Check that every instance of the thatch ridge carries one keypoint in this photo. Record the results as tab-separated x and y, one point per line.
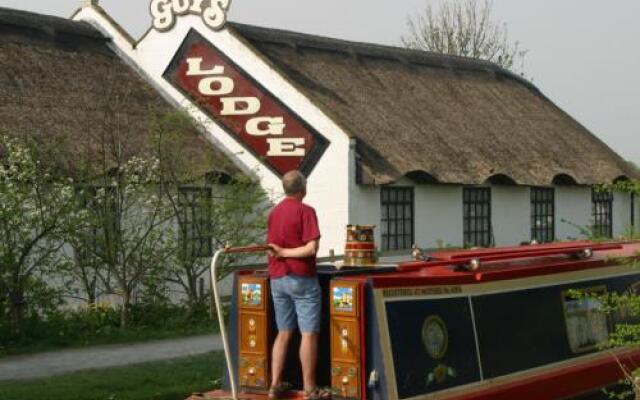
47	23
363	49
438	118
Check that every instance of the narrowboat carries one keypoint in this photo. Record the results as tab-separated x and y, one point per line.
459	325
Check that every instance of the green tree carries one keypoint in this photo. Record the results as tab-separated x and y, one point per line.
210	208
232	214
82	271
132	216
464	28
36	207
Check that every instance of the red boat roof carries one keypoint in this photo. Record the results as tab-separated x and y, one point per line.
450	267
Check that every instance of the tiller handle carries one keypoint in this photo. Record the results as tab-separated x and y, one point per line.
216	295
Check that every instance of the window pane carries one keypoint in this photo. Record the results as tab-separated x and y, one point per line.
602	206
195	204
477	216
542	214
396	217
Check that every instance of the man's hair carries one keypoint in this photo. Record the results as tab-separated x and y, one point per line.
293	182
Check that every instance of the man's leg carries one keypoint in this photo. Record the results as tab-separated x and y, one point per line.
279	355
286	321
308	302
309	359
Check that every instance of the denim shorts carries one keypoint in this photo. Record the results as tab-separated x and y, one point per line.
297	301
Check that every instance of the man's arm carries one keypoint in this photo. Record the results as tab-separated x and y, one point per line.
308	250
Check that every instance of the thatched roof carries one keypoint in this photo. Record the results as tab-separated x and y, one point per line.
437	118
62	84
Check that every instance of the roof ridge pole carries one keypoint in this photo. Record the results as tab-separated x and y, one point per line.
89	3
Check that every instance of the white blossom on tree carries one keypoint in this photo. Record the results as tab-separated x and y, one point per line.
35	210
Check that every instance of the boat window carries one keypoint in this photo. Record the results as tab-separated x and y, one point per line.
397	218
587	325
542	214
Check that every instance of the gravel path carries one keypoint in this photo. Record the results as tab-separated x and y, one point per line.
62	362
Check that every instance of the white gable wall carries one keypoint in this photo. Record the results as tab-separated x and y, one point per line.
328	183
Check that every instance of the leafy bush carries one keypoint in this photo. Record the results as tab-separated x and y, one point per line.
100	324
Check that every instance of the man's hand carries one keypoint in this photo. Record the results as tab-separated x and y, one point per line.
275	250
308	250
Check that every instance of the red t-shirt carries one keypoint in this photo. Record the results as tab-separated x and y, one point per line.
292	224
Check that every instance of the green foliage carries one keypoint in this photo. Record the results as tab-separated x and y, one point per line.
625	186
217	207
100	324
164	380
130	213
36	207
590	233
623	312
118	229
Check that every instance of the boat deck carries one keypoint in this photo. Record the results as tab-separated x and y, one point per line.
221	395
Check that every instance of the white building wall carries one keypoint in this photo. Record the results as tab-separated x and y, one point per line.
621	214
364	202
439	221
511	214
636	212
573	211
437	210
438	216
364	209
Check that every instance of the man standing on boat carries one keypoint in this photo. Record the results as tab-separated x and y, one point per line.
293	235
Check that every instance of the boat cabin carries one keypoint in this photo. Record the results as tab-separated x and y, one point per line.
464	324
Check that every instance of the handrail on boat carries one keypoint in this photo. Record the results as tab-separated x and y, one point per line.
471	260
216	294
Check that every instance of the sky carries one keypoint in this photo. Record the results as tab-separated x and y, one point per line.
583	54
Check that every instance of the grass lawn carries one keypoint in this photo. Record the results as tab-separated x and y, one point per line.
165	380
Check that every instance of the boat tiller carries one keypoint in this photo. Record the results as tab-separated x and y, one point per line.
216	295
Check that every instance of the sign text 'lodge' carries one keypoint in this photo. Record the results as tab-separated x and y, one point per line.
247	111
165	12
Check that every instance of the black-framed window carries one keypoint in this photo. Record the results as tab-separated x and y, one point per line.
195	221
543	214
477	217
397	220
101	238
602	213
